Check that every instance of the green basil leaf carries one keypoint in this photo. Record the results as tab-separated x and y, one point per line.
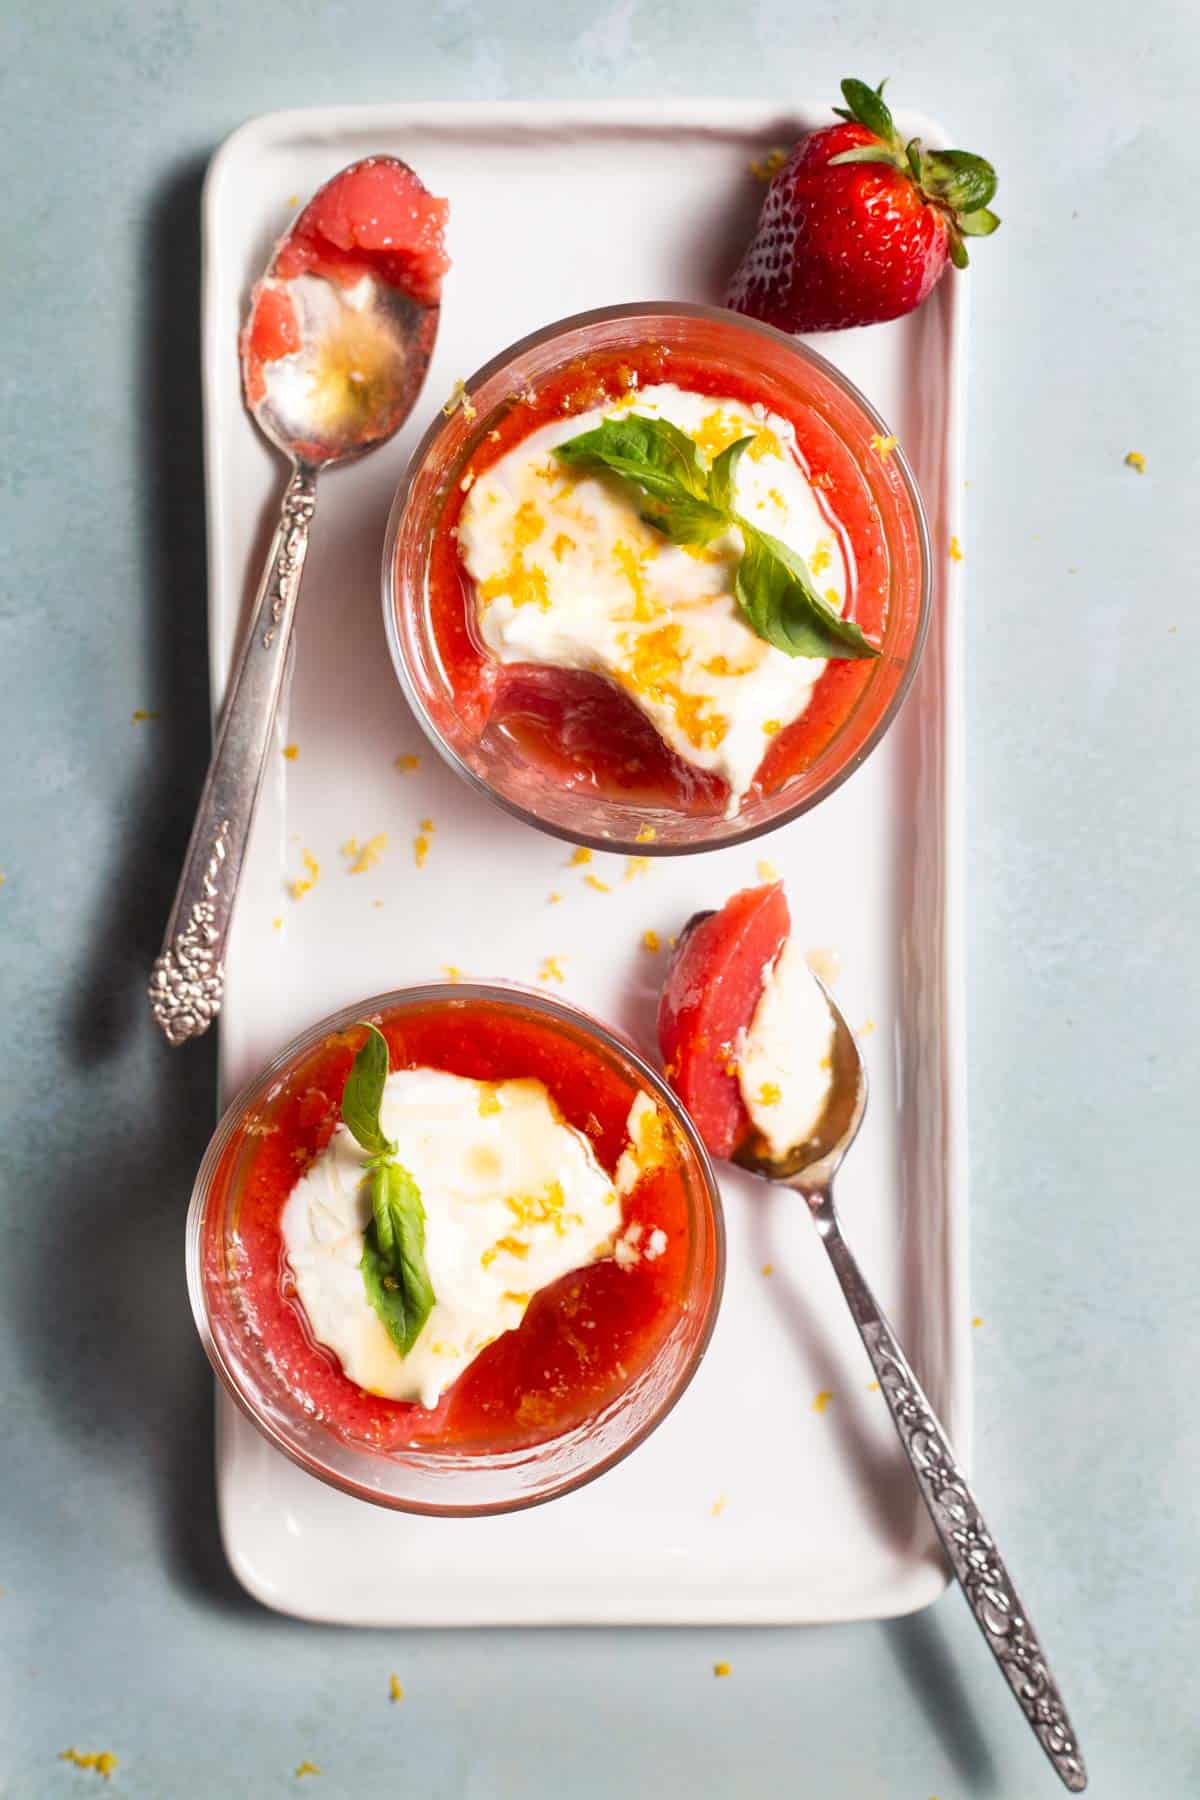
868	106
776	593
395	1274
720	476
651	451
363	1093
663	463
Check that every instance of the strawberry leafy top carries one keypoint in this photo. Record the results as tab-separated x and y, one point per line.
958	183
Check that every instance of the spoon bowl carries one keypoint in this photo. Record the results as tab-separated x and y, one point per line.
810	1166
364	352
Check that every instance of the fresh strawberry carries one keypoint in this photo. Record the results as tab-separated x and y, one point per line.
857	226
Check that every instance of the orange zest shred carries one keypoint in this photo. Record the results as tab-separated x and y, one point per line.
651	941
1133	460
407	763
594	881
505	1246
763	168
883	445
395	1691
305	883
459	398
291	752
551	969
956	554
364	856
101	1762
721	1669
822	1400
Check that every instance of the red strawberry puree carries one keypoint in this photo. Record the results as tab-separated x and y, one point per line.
580	726
582	1340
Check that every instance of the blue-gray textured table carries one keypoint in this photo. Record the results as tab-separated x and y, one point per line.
121	1628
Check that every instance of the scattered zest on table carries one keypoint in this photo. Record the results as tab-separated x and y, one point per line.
101	1762
691	504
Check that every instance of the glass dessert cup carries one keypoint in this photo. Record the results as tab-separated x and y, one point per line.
261	1361
853	703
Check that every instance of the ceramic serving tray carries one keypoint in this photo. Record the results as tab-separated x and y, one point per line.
776	1491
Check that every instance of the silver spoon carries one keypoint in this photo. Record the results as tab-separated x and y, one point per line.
809	1169
370	350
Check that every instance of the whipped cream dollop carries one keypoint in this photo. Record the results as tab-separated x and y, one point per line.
784	1059
514	1198
567	574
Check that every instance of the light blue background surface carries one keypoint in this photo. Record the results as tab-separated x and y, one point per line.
120	1627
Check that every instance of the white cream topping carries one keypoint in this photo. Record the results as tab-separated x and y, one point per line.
514	1198
568	575
785	1060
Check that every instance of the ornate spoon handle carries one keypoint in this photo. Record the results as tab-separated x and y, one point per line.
968	1543
188	979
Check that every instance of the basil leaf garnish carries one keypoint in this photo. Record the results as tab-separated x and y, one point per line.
720	478
691	504
393	1264
394	1271
663	463
776	594
363	1093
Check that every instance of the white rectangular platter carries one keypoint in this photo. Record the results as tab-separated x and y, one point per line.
755	1502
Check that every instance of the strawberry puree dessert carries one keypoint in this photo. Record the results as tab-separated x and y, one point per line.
463	1229
656	584
371	238
746	1036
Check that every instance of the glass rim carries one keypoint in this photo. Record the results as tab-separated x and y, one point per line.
620	844
564	1012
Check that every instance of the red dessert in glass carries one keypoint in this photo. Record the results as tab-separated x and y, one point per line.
599	1355
567	747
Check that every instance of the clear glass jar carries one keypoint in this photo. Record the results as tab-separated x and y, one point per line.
789	379
234	1298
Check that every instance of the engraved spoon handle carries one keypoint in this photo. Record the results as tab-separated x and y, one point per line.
968	1543
188	979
